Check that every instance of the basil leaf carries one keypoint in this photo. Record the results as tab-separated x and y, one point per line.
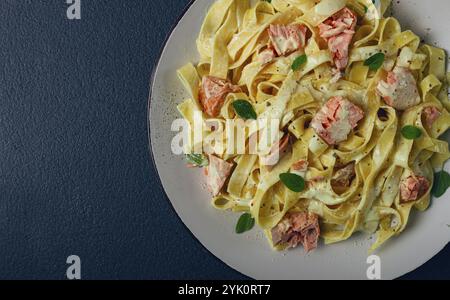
375	61
293	182
270	1
411	132
441	184
244	109
198	160
298	62
245	223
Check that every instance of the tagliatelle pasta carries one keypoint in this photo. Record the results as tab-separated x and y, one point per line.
358	107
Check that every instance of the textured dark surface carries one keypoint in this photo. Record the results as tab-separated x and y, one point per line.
75	172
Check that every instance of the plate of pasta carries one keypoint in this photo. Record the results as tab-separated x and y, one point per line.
305	139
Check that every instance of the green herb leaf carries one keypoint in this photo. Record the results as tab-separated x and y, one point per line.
441	184
245	223
366	9
411	132
198	160
270	1
375	61
293	182
244	109
298	62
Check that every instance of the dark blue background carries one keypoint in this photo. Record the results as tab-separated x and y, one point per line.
75	172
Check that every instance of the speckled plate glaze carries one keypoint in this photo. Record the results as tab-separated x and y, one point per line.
250	254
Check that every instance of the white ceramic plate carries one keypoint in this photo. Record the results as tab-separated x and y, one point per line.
250	254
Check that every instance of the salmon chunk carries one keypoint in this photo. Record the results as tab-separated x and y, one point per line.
400	89
286	39
299	228
338	31
213	92
334	122
430	115
300	166
413	188
344	177
217	174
